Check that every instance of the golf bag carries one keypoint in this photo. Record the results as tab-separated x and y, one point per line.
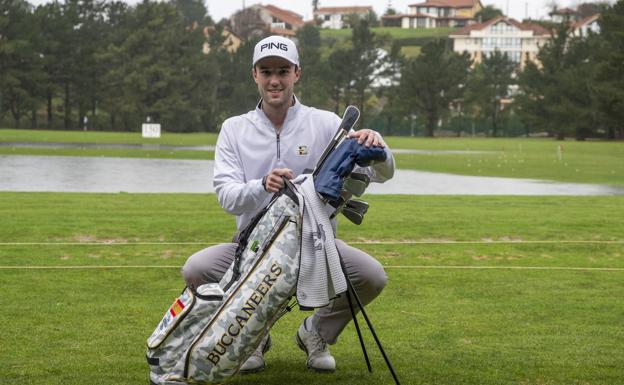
208	333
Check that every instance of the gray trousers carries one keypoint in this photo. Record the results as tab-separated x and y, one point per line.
366	274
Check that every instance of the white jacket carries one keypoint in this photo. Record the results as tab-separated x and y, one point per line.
248	148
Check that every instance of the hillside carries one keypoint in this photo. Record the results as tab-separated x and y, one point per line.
410	39
394	32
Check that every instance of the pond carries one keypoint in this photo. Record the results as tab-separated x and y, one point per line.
112	175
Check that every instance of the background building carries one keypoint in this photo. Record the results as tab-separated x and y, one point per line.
259	20
520	41
338	17
563	15
586	26
436	14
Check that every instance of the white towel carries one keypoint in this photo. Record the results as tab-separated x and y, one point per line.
320	273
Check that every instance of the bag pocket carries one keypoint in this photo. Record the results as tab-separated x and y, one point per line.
182	322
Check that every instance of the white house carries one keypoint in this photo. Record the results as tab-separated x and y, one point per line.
586	26
337	17
436	14
520	41
563	15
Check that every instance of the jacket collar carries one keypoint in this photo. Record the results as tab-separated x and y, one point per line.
290	114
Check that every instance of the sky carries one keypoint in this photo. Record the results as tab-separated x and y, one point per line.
517	9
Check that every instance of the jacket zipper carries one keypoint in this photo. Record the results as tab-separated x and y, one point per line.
278	144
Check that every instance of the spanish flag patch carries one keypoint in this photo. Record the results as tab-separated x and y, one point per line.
176	308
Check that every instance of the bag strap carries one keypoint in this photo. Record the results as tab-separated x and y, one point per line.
243	236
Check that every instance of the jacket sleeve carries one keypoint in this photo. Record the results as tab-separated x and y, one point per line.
235	194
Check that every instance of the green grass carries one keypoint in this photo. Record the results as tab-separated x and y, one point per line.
395	33
568	161
110	152
89	137
410	50
167	138
460	315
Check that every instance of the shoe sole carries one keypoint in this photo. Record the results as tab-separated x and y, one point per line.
302	347
266	348
251	371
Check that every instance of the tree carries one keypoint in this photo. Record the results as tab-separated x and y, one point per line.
339	77
610	72
488	86
88	36
194	12
20	63
539	86
372	18
432	80
390	10
120	24
392	110
50	21
487	13
592	8
364	61
559	96
161	70
235	90
311	89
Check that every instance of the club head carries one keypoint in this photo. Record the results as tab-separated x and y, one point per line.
355	205
360	176
338	204
353	215
355	186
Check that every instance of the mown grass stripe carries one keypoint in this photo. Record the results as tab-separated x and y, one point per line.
96	267
506	268
350	242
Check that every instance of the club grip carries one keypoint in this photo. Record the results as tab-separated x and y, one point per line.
349	118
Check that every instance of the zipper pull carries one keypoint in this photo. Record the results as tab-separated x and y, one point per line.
278	146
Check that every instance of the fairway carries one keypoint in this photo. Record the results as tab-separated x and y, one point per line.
482	290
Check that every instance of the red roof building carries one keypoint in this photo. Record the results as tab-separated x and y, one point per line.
260	20
437	14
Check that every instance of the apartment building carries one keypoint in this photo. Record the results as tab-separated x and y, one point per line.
520	41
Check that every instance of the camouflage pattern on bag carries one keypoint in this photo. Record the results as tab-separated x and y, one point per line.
188	315
210	346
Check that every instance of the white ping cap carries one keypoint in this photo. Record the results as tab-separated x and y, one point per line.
276	46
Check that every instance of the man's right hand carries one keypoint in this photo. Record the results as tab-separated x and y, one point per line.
274	182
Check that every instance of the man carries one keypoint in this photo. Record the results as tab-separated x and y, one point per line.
282	138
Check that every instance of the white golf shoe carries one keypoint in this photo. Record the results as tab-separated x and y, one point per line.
255	362
319	357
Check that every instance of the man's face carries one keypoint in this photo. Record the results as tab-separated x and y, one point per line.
276	78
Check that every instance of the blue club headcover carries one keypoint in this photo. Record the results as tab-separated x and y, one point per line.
341	162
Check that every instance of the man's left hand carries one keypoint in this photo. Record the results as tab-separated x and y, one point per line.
368	138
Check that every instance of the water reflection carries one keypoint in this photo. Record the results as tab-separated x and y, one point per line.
110	175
